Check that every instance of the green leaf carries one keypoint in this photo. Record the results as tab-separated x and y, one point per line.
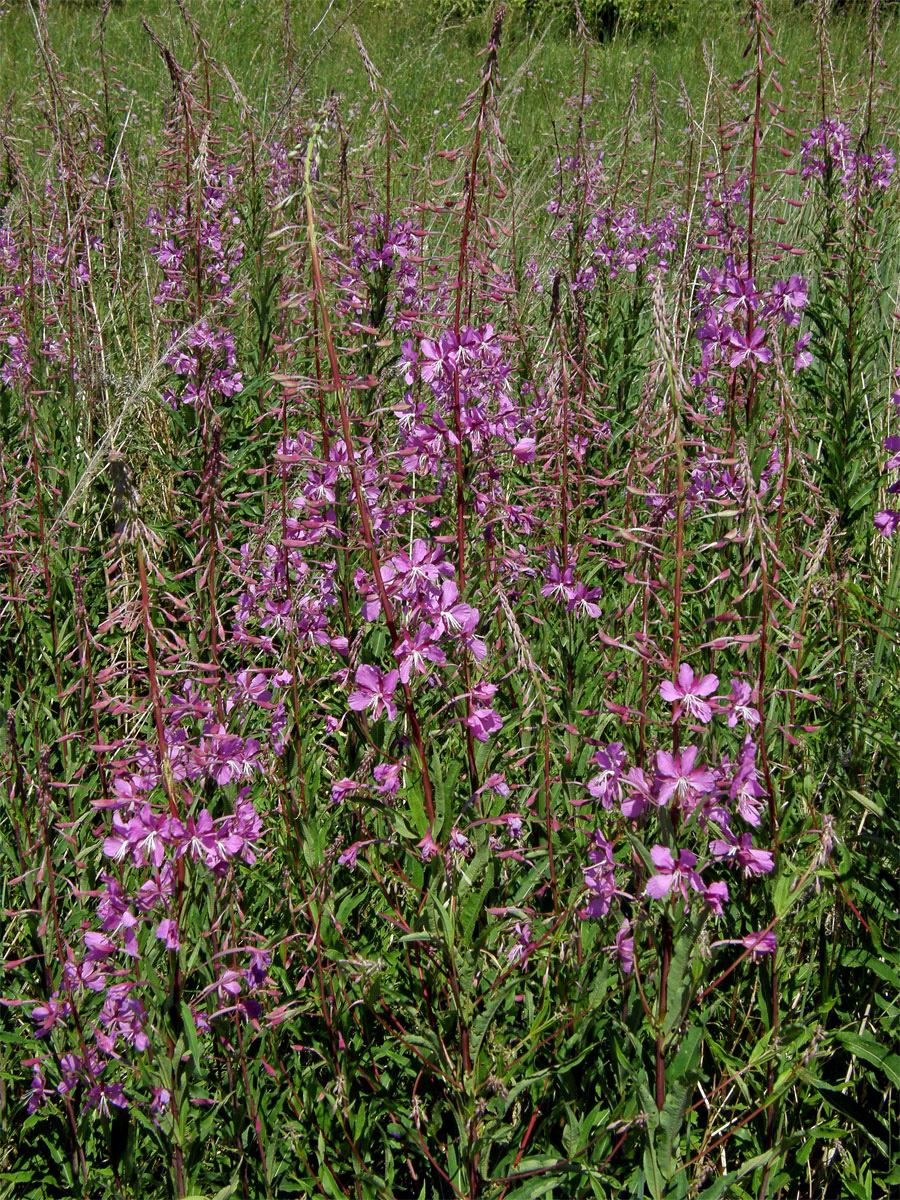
482	1022
724	1185
190	1033
415	798
680	985
685	1074
865	1046
539	1185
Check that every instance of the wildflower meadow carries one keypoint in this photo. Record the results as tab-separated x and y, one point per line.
449	601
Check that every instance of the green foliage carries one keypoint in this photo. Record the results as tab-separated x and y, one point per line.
602	17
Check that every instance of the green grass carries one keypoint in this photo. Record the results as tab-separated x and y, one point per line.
427	65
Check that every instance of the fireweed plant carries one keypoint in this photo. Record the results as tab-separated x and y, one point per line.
449	641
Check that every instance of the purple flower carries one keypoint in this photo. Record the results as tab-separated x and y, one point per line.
760	943
437	359
600	877
795	293
802	356
422	566
746	791
249	686
458	841
238	833
387	778
102	1095
87	973
225	757
688	694
348	857
452	616
739	709
117	845
483	722
146	834
673	873
749	349
415	654
497	783
160	1098
125	922
742	852
229	984
38	1093
157	890
582	601
375	691
71	1069
625	947
887	522
123	1018
523	945
639	793
189	704
560	585
195	837
605	786
429	847
716	895
740	292
167	932
99	947
47	1015
679	780
514	825
342	788
474	645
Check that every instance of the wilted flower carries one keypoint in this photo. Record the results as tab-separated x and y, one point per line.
429	847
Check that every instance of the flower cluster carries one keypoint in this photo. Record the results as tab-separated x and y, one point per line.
702	800
831	153
199	255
